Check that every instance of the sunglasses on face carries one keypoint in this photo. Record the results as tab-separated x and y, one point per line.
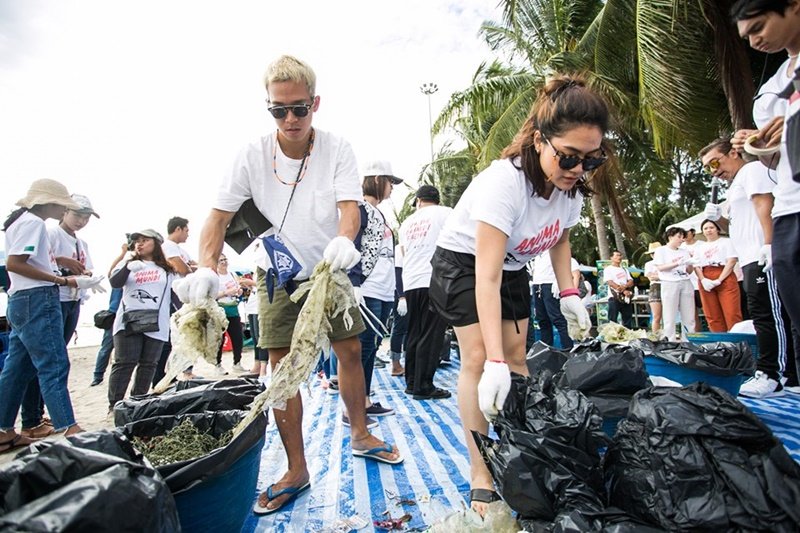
712	165
567	162
298	110
222	261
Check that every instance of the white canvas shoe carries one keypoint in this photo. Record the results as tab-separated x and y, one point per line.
761	386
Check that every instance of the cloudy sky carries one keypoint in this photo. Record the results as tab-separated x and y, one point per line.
143	105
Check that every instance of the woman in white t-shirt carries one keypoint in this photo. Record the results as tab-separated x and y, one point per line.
521	206
146	279
228	295
37	354
677	292
719	290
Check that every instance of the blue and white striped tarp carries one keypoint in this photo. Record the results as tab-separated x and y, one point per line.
435	473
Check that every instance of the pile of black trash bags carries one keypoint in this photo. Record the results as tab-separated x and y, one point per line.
97	481
688	458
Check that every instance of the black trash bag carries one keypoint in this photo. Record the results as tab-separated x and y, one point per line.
88	482
617	369
694	458
224	395
546	459
611	406
718	358
184	474
611	520
542	356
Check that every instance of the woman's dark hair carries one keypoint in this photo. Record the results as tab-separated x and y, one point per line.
159	258
374	186
563	103
747	9
13	217
674	231
707	221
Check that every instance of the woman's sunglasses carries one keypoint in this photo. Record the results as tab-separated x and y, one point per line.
298	110
567	162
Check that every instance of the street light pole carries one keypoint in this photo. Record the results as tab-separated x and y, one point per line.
428	89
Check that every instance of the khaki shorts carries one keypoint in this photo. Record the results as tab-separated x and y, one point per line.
276	320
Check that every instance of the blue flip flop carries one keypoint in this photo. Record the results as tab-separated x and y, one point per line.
373	454
293	493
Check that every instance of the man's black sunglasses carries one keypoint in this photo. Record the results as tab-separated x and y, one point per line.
298	110
567	162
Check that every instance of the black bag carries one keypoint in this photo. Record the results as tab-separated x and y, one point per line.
247	224
140	321
104	319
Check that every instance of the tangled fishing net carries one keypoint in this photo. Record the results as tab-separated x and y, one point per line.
329	295
195	332
617	334
181	443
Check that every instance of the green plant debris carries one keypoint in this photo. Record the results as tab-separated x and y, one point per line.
181	443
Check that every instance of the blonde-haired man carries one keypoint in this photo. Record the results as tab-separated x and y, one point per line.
306	183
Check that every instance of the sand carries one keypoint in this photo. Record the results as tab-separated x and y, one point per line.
91	403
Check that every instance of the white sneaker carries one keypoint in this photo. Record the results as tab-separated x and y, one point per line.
220	370
383	357
238	368
761	386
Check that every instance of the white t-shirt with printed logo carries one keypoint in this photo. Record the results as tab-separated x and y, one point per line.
665	255
618	275
226	282
312	220
543	270
714	253
418	236
28	236
380	283
147	289
746	232
65	245
502	197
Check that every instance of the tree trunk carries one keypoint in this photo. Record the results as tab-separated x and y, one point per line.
619	238
600	227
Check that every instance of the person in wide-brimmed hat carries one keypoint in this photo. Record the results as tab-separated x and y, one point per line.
37	355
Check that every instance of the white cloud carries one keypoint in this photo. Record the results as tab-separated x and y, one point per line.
142	105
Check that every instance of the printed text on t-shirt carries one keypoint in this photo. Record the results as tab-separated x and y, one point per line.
544	240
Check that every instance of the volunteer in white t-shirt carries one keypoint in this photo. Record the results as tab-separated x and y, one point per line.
714	260
426	327
228	298
750	203
72	256
146	279
654	292
519	207
775	28
37	354
305	182
677	293
546	306
620	293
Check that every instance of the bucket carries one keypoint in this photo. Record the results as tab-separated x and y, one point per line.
659	367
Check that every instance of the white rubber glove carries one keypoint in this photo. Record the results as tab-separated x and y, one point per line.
578	322
402	307
493	388
713	212
765	257
90	282
555	291
197	287
359	296
136	266
341	253
708	284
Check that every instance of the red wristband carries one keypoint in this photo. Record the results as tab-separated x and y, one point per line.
496	361
569	292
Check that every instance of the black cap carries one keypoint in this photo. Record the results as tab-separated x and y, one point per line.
428	193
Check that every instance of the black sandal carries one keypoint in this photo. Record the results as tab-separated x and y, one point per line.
14	443
483	496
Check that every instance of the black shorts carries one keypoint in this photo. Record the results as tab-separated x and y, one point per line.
452	289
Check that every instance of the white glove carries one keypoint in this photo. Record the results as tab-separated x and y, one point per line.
402	307
708	284
765	257
90	282
128	256
359	296
341	253
578	322
712	212
493	388
136	266
555	291
197	287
